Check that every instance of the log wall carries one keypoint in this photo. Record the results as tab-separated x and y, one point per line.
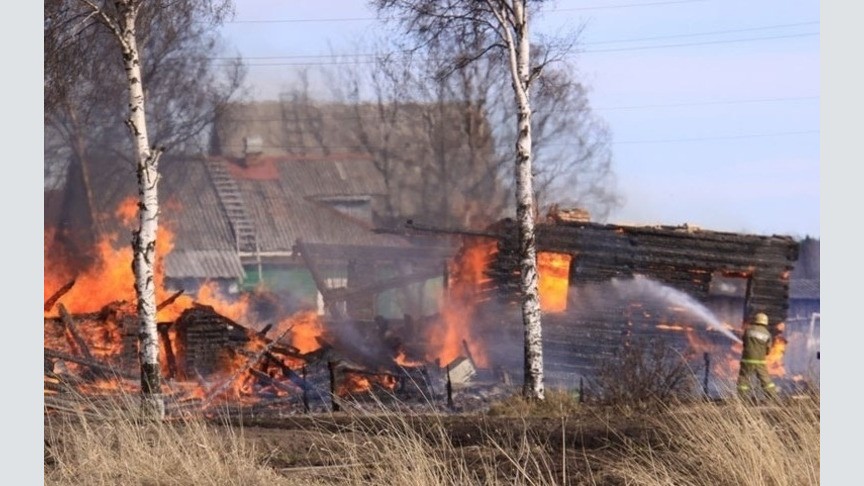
680	257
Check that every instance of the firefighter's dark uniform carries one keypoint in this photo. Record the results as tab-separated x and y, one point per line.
757	343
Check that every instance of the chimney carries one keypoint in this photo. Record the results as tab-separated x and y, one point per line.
253	147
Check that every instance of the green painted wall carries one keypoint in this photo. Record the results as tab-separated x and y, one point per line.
297	282
417	299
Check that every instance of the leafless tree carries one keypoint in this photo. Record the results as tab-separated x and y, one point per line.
506	25
429	137
441	137
123	30
186	87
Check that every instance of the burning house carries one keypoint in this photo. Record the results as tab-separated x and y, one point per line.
276	287
603	286
271	259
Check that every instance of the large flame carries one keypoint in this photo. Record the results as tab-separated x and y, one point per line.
467	274
554	282
110	277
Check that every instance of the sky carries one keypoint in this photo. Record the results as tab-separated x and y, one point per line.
721	132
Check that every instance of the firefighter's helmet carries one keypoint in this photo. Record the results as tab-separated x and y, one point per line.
760	319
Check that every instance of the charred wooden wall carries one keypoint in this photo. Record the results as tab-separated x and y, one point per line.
111	335
680	257
203	340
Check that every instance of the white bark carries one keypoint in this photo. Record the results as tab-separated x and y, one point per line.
144	238
514	30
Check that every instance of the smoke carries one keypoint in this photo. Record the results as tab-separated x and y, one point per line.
641	288
494	330
369	346
498	328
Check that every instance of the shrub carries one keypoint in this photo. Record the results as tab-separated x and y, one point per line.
644	372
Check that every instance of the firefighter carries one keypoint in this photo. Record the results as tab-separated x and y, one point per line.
757	343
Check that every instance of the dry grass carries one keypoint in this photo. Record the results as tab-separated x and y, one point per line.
406	448
558	403
695	444
110	445
735	443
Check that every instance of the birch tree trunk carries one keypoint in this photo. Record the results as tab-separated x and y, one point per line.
144	238
520	71
475	28
119	17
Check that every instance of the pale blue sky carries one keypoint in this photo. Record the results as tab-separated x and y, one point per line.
722	133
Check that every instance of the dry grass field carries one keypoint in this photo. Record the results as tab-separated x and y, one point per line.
561	442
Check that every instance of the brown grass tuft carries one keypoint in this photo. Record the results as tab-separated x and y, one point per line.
734	443
558	403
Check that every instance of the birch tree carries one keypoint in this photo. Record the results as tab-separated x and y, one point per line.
187	86
507	23
121	20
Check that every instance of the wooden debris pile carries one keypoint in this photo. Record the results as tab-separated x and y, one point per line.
209	360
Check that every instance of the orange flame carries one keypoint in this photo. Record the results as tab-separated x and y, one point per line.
402	360
106	386
467	274
209	294
305	326
127	211
554	282
774	360
355	383
673	327
724	367
110	278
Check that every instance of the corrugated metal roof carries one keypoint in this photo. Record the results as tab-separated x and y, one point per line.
282	208
283	211
189	206
203	264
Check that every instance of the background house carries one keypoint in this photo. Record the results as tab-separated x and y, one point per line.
238	221
436	160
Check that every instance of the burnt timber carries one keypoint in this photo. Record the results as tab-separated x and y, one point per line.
682	257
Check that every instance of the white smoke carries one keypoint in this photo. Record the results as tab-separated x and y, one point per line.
642	288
